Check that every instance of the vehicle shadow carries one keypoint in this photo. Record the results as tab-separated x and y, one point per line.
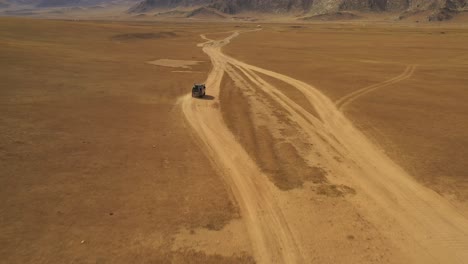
206	97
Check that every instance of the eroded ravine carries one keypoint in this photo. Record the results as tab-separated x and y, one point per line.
423	216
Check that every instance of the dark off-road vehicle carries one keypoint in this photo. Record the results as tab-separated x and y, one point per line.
198	90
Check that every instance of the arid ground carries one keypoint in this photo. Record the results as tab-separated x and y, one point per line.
316	143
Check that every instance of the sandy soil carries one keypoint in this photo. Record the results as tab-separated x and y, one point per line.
417	214
109	159
186	64
408	86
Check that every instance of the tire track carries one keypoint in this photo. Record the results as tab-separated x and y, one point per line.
270	235
343	102
424	216
429	223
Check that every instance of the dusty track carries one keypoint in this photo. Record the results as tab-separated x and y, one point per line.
347	99
392	199
271	238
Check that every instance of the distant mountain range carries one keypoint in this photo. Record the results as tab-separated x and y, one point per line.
58	3
307	9
441	9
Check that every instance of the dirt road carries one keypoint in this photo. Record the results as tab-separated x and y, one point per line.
346	100
433	230
271	239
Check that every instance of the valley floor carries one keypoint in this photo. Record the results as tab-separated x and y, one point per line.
318	143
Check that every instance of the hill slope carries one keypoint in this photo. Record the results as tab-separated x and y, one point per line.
312	7
53	3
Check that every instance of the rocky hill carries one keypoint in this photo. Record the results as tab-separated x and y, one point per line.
148	5
51	3
4	3
58	3
432	10
440	9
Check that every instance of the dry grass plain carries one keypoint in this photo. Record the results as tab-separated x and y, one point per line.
99	165
92	148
